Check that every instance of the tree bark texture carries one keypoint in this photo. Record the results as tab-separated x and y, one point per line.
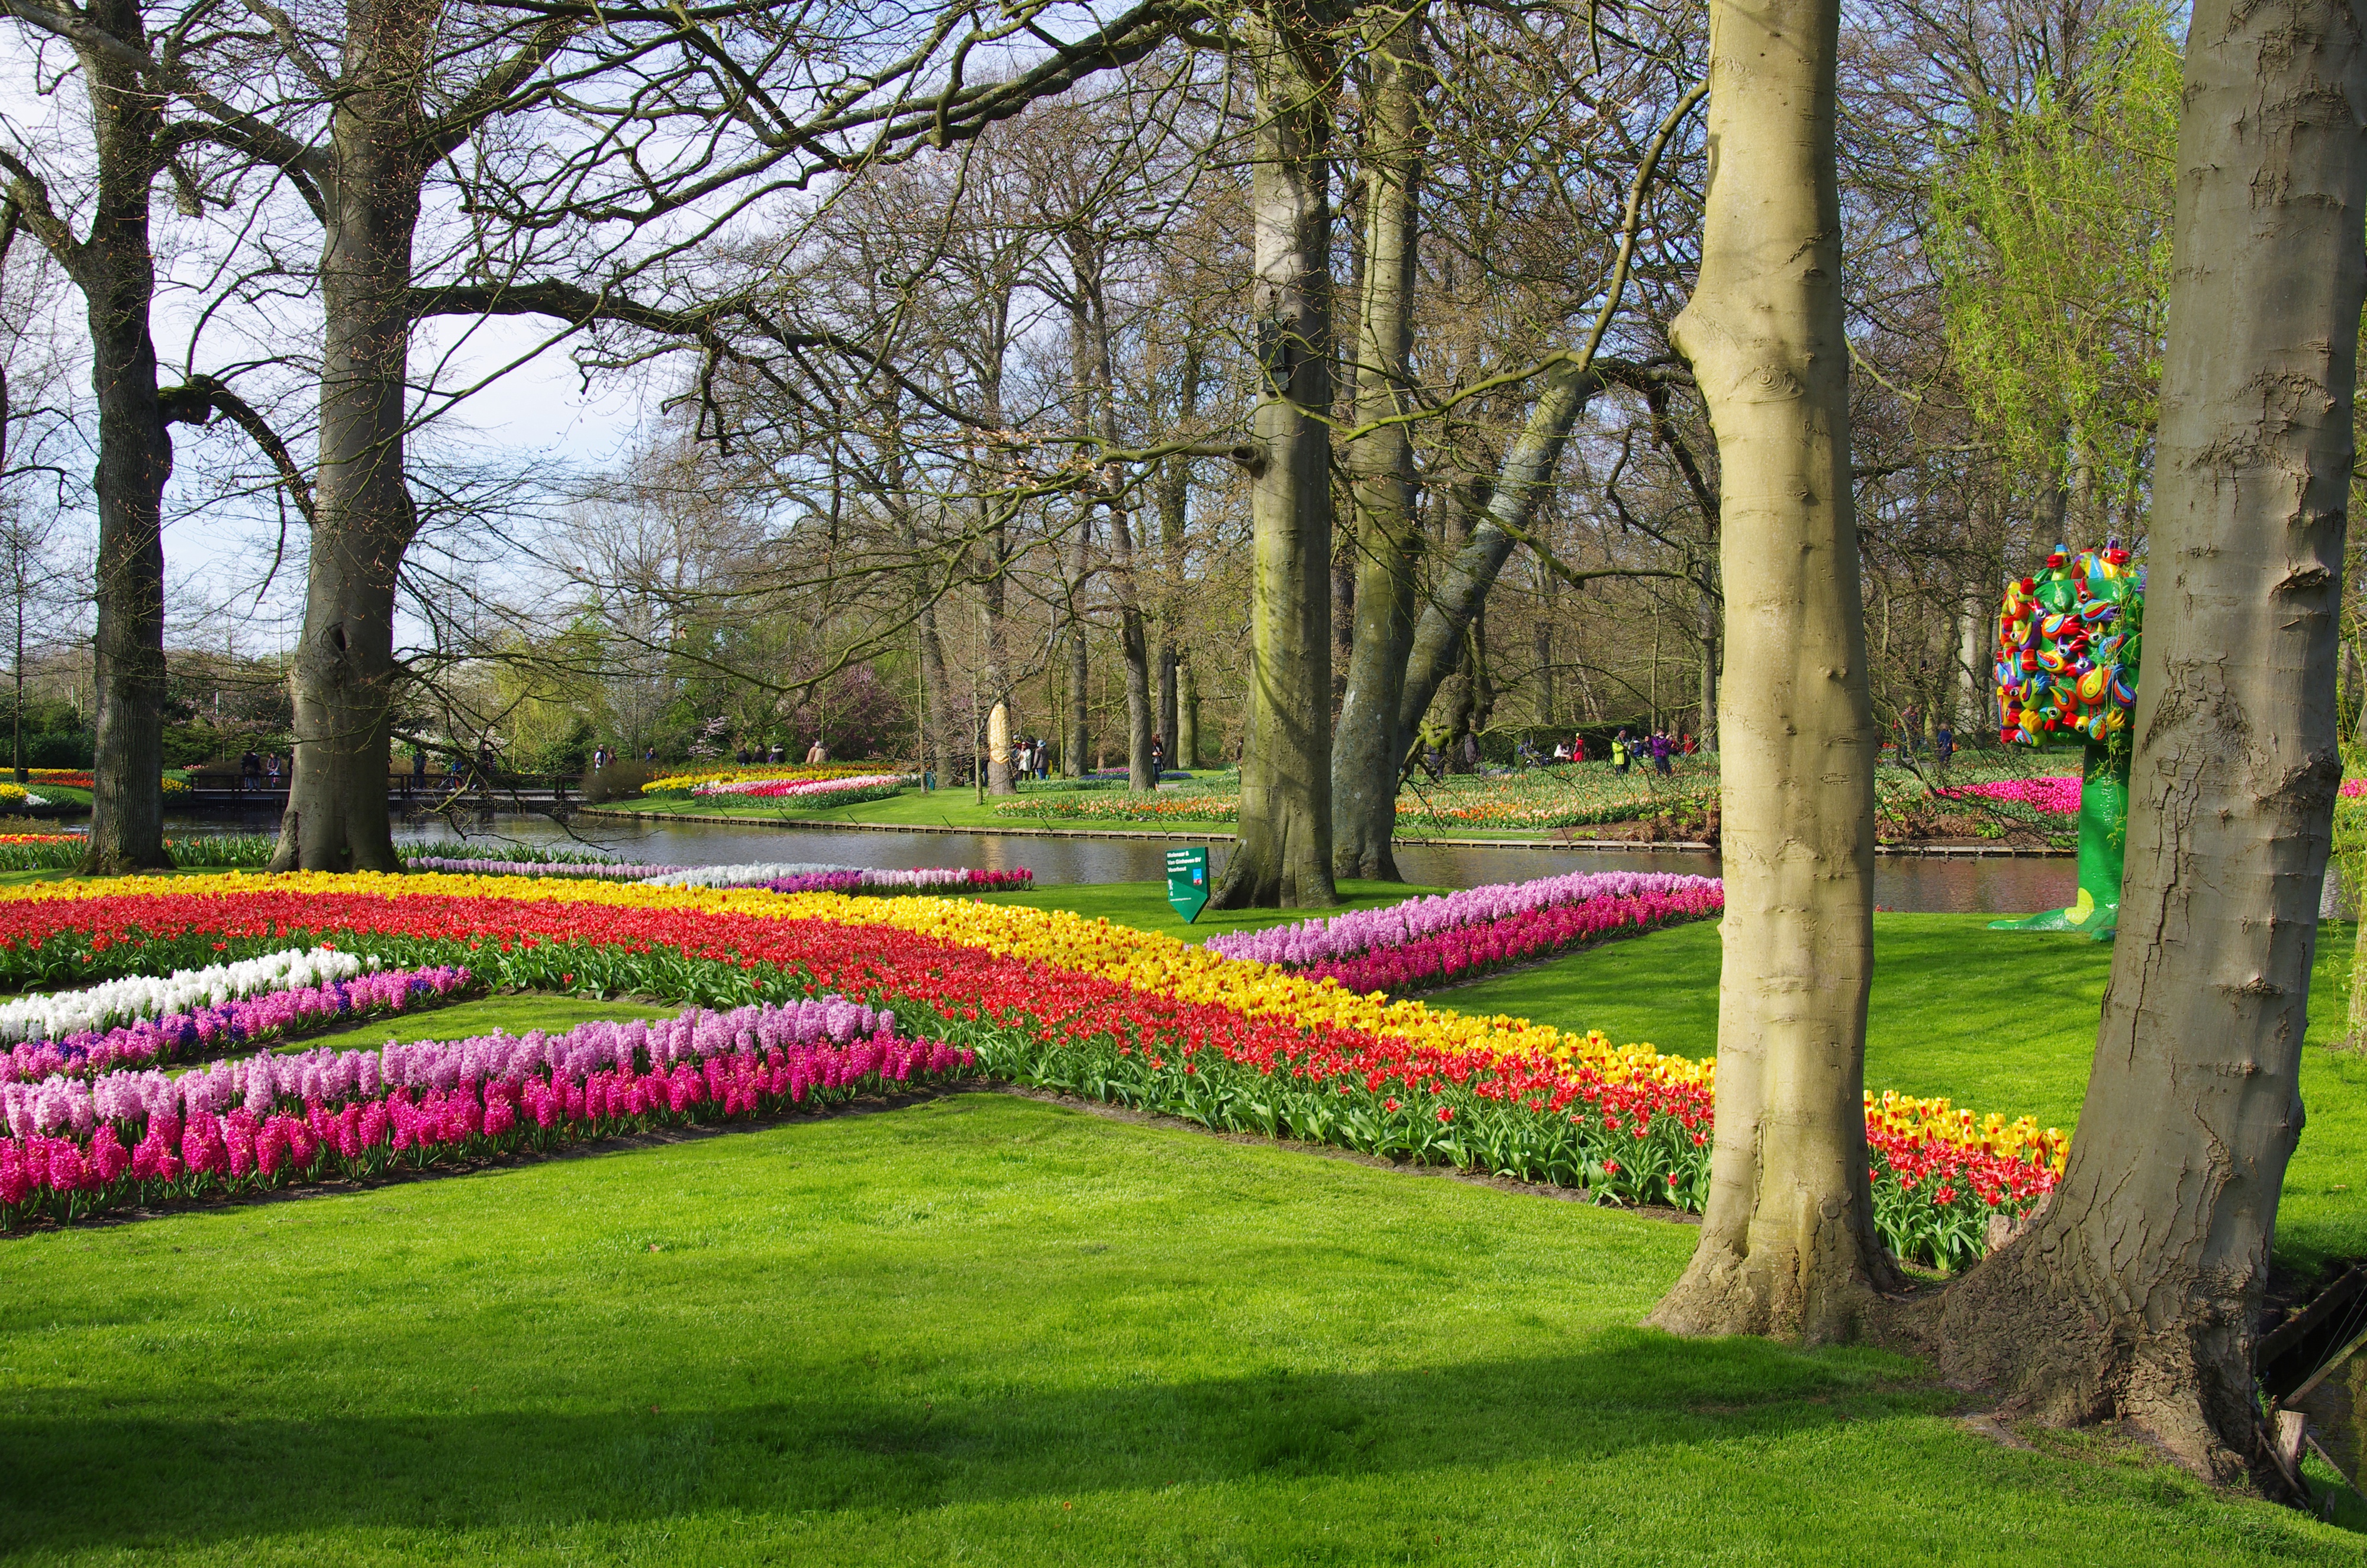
114	267
1283	852
1367	747
1174	508
2134	1297
344	676
1787	1245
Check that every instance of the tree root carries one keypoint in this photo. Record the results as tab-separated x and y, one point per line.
2014	1328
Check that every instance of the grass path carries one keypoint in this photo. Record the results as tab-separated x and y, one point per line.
985	1329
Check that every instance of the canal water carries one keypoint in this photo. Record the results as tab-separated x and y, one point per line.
1992	884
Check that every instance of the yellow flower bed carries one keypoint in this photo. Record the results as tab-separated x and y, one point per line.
725	774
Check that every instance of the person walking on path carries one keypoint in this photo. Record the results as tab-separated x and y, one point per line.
816	753
419	765
1660	749
250	772
1620	748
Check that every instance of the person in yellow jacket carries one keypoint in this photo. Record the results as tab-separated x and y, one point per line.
1620	748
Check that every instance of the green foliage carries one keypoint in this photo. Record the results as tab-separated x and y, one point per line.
2050	228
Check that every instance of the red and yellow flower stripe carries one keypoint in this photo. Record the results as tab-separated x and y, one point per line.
1116	1011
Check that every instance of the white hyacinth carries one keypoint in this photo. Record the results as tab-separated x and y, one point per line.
114	1002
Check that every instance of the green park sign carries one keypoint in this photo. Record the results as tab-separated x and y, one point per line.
1187	881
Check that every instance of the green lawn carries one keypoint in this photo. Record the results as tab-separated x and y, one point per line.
1995	1021
962	809
986	1330
516	1014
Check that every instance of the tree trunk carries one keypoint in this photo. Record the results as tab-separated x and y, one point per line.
344	676
1787	1246
1175	505
1712	650
1081	709
1367	743
2134	1297
114	269
1187	720
1134	646
1283	854
1522	482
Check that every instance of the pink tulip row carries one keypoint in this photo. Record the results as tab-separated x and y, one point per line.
1465	952
773	789
240	1020
927	881
1397	925
351	1113
2059	796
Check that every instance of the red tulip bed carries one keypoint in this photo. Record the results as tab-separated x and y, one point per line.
1621	1133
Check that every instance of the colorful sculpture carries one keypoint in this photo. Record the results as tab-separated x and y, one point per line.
2066	674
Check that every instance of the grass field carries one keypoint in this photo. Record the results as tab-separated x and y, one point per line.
962	809
987	1330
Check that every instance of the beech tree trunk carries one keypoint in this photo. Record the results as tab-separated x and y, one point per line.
343	677
1707	623
1187	720
2134	1297
1174	506
118	279
1368	744
1787	1246
1282	852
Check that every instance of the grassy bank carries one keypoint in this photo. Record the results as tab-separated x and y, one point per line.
985	1329
962	809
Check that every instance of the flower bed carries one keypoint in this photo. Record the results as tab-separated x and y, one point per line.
688	779
806	876
2055	796
1433	941
248	1020
130	1138
814	791
935	879
1085	1007
113	1002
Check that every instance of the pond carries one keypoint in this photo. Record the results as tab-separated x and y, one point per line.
1999	886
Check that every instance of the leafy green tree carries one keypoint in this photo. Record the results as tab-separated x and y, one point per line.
2050	232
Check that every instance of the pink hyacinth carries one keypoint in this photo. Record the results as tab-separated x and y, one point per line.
233	1124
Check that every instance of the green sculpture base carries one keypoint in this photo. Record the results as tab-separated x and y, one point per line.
2104	844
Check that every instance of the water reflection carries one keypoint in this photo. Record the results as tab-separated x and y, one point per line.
1911	883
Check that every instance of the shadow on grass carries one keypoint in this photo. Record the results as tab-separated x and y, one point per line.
78	1478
